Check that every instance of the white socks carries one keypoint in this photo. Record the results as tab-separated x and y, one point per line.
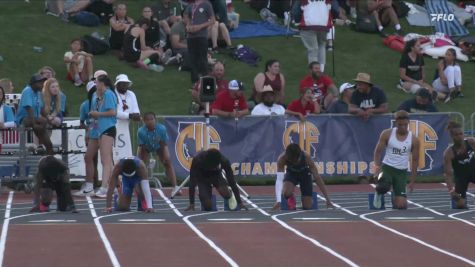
279	184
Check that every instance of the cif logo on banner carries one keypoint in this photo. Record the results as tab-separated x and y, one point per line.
191	139
428	142
305	134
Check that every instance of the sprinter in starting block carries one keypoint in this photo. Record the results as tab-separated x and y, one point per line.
210	168
134	177
300	170
53	174
459	160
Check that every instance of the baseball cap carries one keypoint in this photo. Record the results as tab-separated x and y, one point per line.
90	85
235	85
99	73
345	86
37	78
122	78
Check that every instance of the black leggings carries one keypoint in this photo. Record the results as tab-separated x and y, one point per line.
198	53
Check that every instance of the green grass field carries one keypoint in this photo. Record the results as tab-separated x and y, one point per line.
25	25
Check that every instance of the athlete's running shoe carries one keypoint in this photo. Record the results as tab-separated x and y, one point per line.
232	201
377	200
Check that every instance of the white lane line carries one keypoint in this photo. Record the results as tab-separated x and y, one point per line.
141	220
460	219
209	241
53	221
363	216
177	212
230	219
298	233
198	232
6	222
409	218
317	219
313	241
102	234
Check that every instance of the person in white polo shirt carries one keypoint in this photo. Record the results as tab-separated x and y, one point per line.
267	106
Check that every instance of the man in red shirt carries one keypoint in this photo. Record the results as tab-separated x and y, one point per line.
304	105
221	85
324	90
231	103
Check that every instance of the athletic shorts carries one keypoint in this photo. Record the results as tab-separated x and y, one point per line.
304	179
128	185
112	132
131	55
461	184
396	178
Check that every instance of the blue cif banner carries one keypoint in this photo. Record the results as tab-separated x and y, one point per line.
339	145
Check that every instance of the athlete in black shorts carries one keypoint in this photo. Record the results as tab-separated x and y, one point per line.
53	174
210	168
459	158
300	169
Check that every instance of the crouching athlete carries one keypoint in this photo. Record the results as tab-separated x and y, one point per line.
134	177
53	174
210	168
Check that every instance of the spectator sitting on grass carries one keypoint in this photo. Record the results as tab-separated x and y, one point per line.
47	72
54	102
179	44
368	99
118	24
7	117
273	77
166	15
78	64
69	8
411	68
384	14
420	104
323	88
304	105
151	27
267	106
448	82
231	103
341	105
7	85
217	71
218	33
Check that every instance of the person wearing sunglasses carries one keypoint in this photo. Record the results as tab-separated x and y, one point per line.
127	105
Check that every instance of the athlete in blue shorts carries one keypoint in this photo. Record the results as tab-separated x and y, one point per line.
134	177
153	138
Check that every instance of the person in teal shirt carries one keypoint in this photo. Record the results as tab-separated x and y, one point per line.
7	120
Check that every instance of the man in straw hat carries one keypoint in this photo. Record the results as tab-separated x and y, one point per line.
268	106
368	99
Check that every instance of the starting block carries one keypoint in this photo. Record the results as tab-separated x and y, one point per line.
370	201
285	206
453	204
213	204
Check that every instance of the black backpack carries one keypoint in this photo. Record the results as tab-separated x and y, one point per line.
95	45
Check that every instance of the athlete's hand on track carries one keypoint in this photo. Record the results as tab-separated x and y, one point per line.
411	187
149	210
330	205
243	207
108	210
35	208
190	208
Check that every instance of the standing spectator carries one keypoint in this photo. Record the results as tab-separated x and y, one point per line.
448	82
384	14
267	106
273	77
314	25
118	25
368	99
102	134
78	63
166	15
324	90
7	85
217	72
7	118
199	16
54	102
231	103
29	111
411	68
47	72
341	105
127	106
304	105
135	50
420	104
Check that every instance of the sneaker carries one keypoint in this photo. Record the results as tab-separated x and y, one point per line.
78	83
353	12
232	203
64	16
448	98
101	192
166	55
86	190
329	47
377	200
459	94
292	203
173	60
400	32
155	67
